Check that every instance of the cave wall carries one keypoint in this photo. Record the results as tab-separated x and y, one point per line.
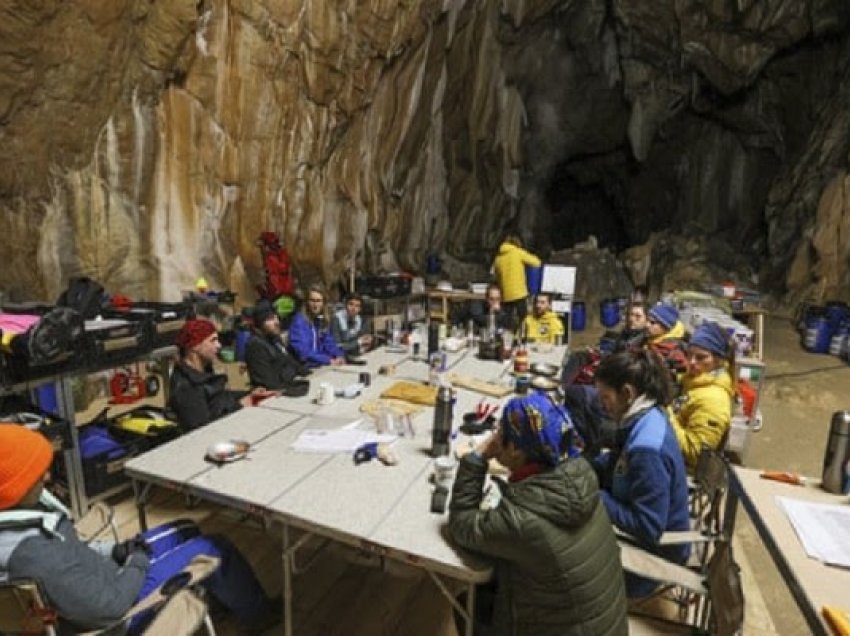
147	143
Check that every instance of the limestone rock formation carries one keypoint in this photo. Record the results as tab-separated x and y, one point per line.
145	143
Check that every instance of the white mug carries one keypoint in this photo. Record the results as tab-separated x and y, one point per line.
326	393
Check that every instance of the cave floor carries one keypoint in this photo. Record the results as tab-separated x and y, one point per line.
349	593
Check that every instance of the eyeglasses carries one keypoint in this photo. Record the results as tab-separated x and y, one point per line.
652	321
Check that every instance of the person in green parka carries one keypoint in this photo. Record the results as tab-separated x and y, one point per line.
557	562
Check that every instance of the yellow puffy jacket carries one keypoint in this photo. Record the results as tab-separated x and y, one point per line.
509	268
703	413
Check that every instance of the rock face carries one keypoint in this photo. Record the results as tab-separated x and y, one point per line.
145	143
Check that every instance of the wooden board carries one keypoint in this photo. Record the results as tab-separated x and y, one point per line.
479	386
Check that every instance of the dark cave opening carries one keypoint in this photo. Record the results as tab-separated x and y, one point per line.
579	210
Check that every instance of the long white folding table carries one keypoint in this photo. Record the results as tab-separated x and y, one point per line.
812	583
384	510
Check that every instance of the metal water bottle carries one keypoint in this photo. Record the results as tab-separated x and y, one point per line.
442	422
837	455
433	338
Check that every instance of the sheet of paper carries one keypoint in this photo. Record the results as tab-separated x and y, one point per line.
823	529
345	439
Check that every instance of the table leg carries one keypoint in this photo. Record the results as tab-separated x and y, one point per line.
470	609
287	583
141	492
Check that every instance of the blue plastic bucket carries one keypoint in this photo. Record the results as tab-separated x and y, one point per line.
836	313
533	278
579	316
609	312
47	399
818	335
242	338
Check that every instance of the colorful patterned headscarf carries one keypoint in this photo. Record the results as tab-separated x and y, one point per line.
540	428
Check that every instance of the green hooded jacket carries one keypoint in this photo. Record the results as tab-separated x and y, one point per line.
557	561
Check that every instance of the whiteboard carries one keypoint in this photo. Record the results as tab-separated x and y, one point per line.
559	279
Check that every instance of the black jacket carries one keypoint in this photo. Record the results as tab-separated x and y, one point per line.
270	365
199	398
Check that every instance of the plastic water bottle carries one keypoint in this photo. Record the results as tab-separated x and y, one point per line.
442	422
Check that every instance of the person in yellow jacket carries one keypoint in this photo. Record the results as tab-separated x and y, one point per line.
543	325
509	268
701	416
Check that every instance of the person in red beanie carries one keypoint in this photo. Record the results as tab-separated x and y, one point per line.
198	394
92	586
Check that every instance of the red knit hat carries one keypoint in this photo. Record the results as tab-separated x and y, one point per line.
24	458
193	333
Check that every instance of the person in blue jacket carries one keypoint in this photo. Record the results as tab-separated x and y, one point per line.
643	479
310	335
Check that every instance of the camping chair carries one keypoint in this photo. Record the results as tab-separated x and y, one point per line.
707	497
180	608
720	610
179	602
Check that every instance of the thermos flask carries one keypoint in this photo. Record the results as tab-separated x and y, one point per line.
835	460
433	338
442	422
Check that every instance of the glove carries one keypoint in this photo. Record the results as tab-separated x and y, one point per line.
122	551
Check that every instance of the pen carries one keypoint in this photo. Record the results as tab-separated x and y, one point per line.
785	477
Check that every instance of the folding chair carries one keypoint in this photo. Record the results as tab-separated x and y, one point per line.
720	610
25	610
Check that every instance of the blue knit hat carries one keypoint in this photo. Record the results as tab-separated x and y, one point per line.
712	337
538	427
665	313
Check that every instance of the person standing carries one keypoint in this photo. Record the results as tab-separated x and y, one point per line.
310	336
350	329
509	269
268	362
199	395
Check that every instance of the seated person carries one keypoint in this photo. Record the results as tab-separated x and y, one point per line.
199	395
93	586
351	331
702	414
269	364
666	336
480	313
558	565
543	324
310	336
645	488
634	333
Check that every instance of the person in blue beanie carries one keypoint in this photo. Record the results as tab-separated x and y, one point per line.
666	336
557	563
702	414
643	479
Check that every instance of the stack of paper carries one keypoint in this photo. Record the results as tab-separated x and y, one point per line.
338	440
824	529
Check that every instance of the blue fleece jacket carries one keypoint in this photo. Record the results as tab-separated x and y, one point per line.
645	485
313	343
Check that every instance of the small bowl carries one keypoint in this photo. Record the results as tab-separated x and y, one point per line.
228	451
545	369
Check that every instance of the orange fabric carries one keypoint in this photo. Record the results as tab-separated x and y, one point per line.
24	458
